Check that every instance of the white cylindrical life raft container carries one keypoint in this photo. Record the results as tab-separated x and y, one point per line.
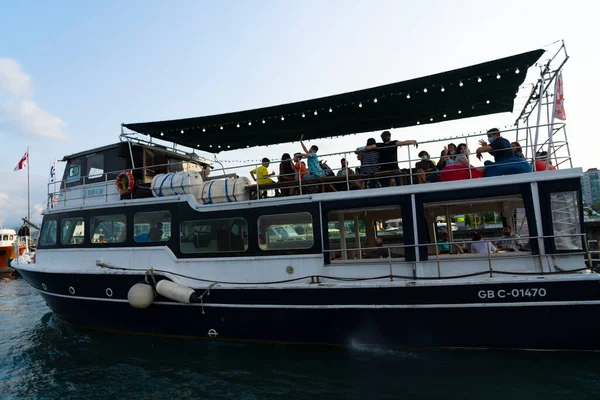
222	191
176	183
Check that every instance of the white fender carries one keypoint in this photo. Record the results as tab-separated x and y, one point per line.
140	295
176	292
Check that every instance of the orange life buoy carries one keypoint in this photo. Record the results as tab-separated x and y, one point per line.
125	182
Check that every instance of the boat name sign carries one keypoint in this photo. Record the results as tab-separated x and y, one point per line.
93	192
514	293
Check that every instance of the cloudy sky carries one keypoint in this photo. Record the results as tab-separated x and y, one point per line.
71	72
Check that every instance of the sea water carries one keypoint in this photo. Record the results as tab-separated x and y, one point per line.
44	358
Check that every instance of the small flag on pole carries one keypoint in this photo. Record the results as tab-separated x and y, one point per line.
559	109
53	171
23	163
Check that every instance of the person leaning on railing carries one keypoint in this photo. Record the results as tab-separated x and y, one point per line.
388	155
368	162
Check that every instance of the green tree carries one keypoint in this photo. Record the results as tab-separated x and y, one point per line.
596	206
469	220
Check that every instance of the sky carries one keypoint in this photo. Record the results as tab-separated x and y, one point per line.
71	72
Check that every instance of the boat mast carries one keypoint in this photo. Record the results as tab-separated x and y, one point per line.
28	191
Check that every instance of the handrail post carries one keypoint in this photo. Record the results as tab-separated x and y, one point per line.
409	166
437	250
467	144
487	243
257	187
347	172
587	251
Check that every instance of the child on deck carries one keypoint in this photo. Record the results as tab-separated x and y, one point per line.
262	173
314	168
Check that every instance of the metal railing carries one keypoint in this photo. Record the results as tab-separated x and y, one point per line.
407	173
491	257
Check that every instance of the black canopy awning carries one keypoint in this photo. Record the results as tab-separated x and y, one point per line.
481	89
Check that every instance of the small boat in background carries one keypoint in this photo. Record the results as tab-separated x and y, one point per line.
24	245
7	240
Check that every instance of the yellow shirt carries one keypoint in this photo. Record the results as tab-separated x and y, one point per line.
262	175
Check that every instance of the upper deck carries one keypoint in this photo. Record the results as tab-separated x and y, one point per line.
481	89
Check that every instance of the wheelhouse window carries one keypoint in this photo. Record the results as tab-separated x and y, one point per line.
214	236
285	231
48	234
94	166
108	229
72	231
566	224
152	226
4	237
73	172
500	221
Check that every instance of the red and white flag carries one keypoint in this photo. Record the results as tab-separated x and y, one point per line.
23	163
559	107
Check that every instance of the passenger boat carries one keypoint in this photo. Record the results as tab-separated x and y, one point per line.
139	238
7	240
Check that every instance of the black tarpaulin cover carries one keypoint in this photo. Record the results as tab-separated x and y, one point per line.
481	89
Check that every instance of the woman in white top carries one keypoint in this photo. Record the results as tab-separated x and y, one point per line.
447	158
462	155
478	246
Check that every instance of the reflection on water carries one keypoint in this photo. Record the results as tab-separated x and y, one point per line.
44	358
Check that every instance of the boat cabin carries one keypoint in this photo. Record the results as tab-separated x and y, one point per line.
89	176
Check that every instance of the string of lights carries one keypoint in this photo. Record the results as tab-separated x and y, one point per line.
360	104
451	137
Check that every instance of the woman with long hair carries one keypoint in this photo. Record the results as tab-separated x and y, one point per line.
447	156
287	173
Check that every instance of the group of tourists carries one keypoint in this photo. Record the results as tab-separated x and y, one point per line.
380	157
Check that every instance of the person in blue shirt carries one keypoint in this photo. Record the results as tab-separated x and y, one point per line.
505	161
314	168
497	146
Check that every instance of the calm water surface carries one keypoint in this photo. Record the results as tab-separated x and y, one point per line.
44	358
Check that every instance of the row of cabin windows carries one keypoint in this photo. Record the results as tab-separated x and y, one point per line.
275	232
8	237
295	230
